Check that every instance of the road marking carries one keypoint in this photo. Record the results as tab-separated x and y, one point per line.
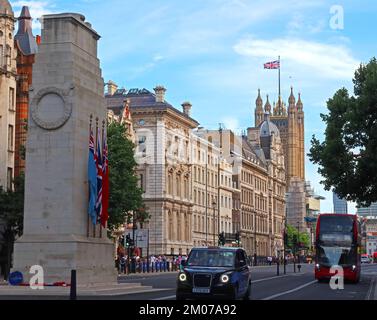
166	298
271	278
290	291
370	291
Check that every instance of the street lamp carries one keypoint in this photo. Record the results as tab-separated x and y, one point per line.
214	222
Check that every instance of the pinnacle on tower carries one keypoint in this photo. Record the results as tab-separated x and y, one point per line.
267	107
259	101
299	103
292	102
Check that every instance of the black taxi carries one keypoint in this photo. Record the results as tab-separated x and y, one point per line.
214	272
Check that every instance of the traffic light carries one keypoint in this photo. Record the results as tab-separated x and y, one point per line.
132	242
221	239
128	240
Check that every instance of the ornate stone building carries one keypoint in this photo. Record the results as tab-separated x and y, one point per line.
163	154
258	186
8	74
290	122
27	48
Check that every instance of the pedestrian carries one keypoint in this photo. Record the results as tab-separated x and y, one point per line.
122	265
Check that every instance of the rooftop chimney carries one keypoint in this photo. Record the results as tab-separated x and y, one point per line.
160	93
111	88
187	108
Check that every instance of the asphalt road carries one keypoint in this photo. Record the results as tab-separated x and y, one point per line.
267	286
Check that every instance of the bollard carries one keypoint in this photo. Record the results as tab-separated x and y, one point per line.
73	288
278	268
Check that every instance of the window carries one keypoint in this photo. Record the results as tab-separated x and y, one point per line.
10	138
142	148
141	181
9	55
9	178
11	99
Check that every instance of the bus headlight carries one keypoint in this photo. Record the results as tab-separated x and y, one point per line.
353	268
182	277
224	278
317	266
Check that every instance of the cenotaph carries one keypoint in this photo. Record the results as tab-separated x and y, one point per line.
67	92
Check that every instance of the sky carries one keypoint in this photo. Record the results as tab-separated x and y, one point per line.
212	52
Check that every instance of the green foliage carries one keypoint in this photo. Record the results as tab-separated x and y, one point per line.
12	208
125	195
347	158
294	237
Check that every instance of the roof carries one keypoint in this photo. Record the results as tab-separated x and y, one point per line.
139	98
6	8
24	37
217	248
267	128
253	153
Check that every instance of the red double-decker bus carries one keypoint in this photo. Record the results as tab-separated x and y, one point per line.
338	241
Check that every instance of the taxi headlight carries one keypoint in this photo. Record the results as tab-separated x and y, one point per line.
182	277
224	278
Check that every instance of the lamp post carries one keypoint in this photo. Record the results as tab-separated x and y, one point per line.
298	246
214	222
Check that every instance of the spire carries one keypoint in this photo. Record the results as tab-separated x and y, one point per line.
267	107
299	105
259	101
25	39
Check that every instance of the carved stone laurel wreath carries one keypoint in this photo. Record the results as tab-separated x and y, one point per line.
65	106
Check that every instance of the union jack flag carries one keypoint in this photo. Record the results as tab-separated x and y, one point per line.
98	159
272	65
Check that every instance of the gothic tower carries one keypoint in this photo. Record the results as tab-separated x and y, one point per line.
292	138
26	45
8	75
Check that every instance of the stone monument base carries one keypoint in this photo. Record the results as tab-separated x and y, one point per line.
92	258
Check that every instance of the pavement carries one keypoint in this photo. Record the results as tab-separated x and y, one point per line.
266	285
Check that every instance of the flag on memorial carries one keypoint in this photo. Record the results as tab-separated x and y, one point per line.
272	65
105	182
98	158
92	180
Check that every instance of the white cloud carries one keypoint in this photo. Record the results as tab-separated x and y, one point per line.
327	60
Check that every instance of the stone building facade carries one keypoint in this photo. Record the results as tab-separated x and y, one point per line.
8	74
258	188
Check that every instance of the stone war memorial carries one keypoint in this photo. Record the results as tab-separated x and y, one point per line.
67	97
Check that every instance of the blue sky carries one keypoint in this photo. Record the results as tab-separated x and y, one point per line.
212	52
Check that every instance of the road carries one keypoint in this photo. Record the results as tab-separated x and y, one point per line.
267	286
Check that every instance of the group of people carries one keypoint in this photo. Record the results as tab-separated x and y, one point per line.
135	263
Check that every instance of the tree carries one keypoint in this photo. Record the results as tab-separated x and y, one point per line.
347	158
11	217
293	238
125	195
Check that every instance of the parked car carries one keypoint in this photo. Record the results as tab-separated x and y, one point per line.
215	272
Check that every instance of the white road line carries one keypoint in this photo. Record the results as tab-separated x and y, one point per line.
166	298
290	291
271	278
370	291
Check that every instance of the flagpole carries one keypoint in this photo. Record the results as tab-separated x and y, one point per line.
279	78
90	132
97	137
